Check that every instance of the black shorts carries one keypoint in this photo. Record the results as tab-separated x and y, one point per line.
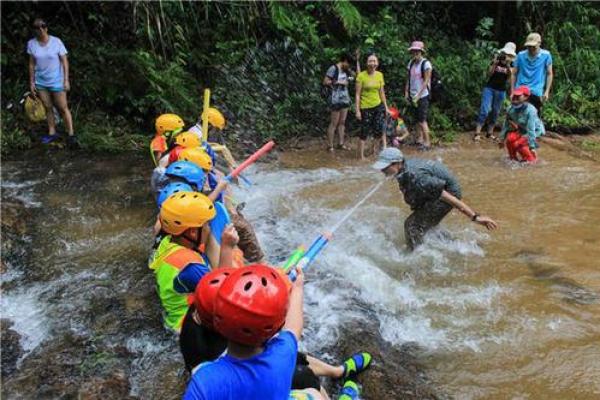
198	343
421	111
304	377
372	122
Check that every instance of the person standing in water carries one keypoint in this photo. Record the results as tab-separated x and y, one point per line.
337	79
430	190
371	104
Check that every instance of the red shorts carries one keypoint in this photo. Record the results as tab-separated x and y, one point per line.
517	144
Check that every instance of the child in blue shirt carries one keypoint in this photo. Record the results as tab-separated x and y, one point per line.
251	311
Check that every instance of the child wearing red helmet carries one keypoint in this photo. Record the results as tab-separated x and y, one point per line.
522	127
395	129
260	314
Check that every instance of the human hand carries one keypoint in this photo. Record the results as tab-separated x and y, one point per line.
489	223
299	282
67	85
222	185
32	89
358	115
546	97
230	237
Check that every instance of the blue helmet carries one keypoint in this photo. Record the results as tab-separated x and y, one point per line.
189	172
171	188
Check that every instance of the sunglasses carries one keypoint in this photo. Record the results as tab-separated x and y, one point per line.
41	26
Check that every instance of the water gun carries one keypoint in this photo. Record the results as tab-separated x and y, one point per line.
303	259
250	160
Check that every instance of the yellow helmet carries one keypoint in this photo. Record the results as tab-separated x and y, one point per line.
188	139
215	118
168	123
184	210
198	156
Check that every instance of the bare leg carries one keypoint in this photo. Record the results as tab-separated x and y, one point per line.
341	126
321	368
60	100
418	133
361	149
334	120
425	130
47	100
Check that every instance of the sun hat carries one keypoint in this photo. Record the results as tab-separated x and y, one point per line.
387	157
533	39
417	45
509	49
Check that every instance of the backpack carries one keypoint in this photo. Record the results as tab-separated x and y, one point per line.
436	87
325	89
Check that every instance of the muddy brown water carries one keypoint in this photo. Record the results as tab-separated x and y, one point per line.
509	314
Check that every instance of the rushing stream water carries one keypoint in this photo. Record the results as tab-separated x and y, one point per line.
509	314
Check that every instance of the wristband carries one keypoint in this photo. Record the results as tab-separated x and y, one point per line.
474	217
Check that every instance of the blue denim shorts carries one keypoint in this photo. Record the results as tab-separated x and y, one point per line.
50	88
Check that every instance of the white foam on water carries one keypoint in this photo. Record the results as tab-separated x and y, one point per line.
366	261
27	314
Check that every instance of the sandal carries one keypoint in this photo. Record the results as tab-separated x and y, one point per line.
356	364
342	146
330	149
477	138
47	139
349	391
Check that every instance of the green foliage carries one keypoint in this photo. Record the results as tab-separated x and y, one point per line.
12	136
265	61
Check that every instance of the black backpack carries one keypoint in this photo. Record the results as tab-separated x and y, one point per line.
325	89
436	87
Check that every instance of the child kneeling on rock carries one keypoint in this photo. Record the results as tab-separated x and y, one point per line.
200	342
521	128
262	319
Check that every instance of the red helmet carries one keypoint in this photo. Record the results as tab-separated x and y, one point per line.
251	305
206	293
394	113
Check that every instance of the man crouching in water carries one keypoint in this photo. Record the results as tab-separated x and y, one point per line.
429	189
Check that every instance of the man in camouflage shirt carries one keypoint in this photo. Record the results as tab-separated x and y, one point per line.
429	189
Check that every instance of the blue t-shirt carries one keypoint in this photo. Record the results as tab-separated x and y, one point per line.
48	70
188	278
266	376
532	71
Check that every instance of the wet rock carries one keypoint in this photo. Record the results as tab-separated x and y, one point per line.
395	372
14	215
116	386
11	348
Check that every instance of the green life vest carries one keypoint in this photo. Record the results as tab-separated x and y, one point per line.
168	260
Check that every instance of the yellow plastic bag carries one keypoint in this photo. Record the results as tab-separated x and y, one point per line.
34	109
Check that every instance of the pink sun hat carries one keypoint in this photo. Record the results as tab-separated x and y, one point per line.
417	45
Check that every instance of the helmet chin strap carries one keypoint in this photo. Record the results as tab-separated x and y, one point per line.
193	243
